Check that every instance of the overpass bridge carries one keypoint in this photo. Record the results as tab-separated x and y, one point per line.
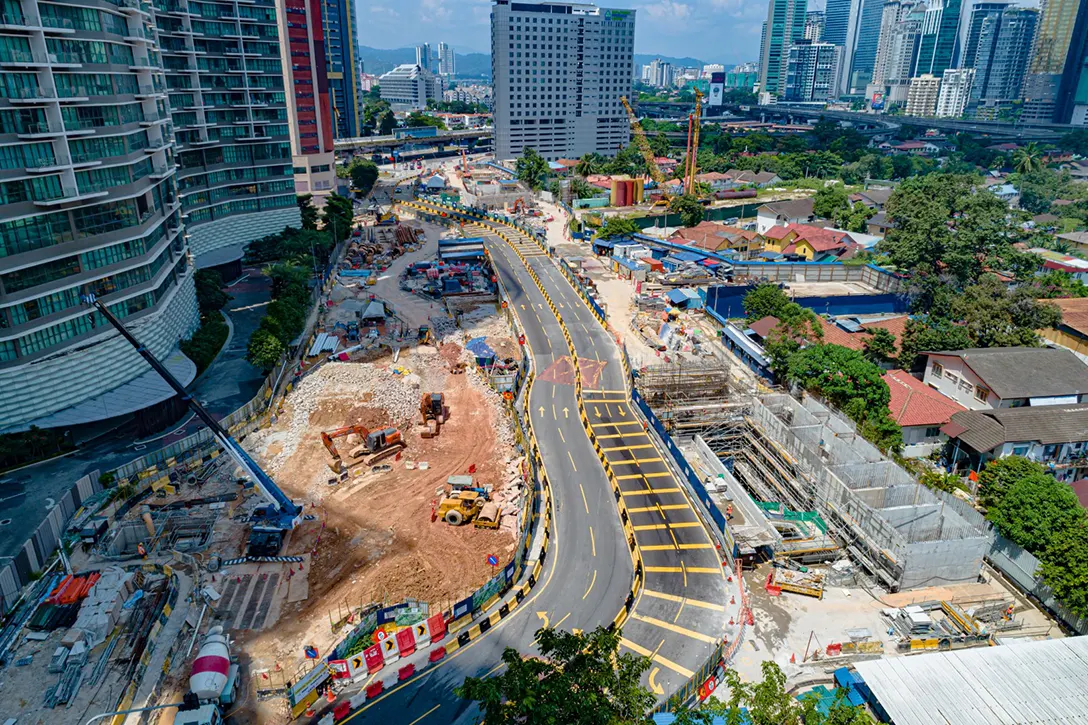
385	143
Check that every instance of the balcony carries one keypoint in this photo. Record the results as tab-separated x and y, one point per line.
40	129
161	171
42	166
16	21
71	196
149	92
86	160
134	6
22	59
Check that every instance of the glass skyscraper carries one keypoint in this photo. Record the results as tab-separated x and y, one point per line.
785	26
939	48
868	37
340	41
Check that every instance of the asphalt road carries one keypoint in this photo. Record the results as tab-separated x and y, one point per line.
588	571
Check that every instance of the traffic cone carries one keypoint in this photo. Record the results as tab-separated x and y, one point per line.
793	659
732	600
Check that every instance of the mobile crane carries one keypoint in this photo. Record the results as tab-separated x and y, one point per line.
270	523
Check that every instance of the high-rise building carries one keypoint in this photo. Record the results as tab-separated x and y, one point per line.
225	77
837	16
785	26
922	95
812	72
563	102
423	56
309	109
1049	55
341	29
1072	104
1001	60
88	204
446	60
762	45
866	39
903	54
892	14
955	92
971	30
814	25
660	74
409	87
938	48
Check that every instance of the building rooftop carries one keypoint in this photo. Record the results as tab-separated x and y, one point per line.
1025	372
1074	313
1026	682
793	209
984	430
913	403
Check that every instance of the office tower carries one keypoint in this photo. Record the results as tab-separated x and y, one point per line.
955	92
814	25
660	74
922	95
892	14
1072	104
231	124
1052	49
341	28
309	110
971	31
837	17
423	56
409	87
762	44
446	60
938	47
902	54
867	37
88	204
812	72
785	26
559	72
1001	60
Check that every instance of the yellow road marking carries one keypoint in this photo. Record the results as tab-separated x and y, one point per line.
616	425
561	620
683	600
684	568
674	547
628	476
575	470
593	391
554	416
630	448
678	525
621	435
434	708
584	501
591	583
647	491
674	628
681	569
561	434
639	649
607	400
679	612
492	671
658	507
592	541
637	461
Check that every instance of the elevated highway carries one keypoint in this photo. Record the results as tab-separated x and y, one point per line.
377	143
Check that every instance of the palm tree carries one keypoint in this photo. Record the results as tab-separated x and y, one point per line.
588	165
1028	159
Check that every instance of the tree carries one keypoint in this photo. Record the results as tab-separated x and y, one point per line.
1065	567
210	296
589	165
829	201
338	215
688	207
1075	142
617	226
797	326
843	376
264	350
766	299
205	344
1028	158
289	280
417	119
308	211
934	334
994	316
532	169
364	174
940	481
1034	510
1041	187
386	123
880	347
995	480
577	679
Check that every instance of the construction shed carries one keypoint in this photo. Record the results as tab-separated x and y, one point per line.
1037	682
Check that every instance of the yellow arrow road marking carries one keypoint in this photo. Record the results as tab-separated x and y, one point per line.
639	649
543	616
673	628
656	688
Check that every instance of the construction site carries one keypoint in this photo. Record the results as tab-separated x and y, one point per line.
845	554
393	473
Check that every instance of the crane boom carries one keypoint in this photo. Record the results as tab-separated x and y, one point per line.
644	146
284	514
689	185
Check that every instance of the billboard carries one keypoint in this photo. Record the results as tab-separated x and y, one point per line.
717	89
877	102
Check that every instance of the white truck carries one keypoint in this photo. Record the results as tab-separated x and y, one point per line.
213	683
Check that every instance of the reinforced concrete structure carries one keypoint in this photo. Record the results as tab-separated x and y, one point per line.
559	72
89	203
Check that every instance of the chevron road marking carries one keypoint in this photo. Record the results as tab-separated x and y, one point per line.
683	600
674	628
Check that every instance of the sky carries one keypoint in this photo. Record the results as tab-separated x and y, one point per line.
723	31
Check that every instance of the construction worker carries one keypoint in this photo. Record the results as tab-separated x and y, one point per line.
729	512
141	550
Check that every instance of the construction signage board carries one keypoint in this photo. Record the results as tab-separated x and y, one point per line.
389	649
340	670
357	664
372	656
422	633
300	707
309	683
406	641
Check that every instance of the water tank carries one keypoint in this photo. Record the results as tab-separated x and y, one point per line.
212	665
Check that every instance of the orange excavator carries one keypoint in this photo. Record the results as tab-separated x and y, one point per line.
432	407
377	443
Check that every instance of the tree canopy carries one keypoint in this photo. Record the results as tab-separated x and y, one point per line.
617	226
688	207
532	169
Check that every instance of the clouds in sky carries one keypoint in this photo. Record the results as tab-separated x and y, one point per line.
715	30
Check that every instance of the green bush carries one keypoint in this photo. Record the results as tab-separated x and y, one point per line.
207	341
264	349
209	291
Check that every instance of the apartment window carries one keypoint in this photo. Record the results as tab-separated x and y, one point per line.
981	393
1020	450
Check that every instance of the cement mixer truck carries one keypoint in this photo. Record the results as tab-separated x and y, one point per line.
213	683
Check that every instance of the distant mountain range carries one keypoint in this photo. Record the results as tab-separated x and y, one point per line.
478	65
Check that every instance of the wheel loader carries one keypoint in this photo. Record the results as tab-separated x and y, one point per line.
432	409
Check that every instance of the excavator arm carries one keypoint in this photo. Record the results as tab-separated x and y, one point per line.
327	437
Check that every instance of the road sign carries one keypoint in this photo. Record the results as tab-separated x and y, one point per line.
311	652
492	560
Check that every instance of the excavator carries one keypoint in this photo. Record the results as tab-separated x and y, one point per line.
432	407
271	523
378	443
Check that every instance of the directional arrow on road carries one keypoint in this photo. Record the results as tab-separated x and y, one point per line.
523	307
622	413
658	689
566	412
542	411
596	411
543	618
